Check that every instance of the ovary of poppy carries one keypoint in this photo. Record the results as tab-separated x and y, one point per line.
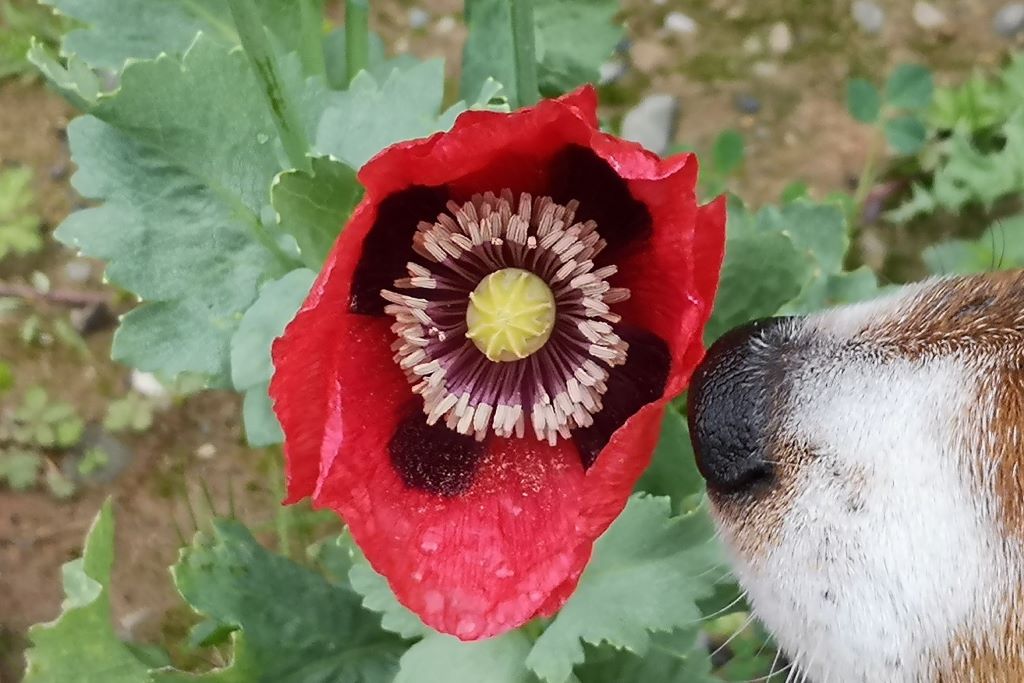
477	486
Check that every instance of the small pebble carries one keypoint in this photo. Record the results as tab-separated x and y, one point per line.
611	71
928	16
40	281
418	18
1009	21
206	451
752	45
147	384
446	24
869	16
652	123
765	69
648	55
682	24
59	171
780	38
78	270
746	103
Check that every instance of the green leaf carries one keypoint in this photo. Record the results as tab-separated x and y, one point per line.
978	103
32	404
68	432
1001	247
133	412
293	626
45	435
261	425
366	118
655	564
264	321
851	287
444	658
184	186
19	224
81	645
93	461
910	86
74	80
727	153
118	30
251	365
313	207
6	377
60	486
673	470
970	175
863	100
921	202
819	231
20	468
676	657
378	597
905	134
564	60
489	51
763	269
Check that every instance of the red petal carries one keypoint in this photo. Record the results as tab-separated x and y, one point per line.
474	565
709	250
487	150
607	486
660	271
307	358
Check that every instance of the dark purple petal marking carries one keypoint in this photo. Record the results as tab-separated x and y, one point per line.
433	458
580	174
631	386
388	245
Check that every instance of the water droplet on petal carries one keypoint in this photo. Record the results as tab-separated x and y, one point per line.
430	542
536	596
504	573
433	601
467	628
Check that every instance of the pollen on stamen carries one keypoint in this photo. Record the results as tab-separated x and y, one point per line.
503	324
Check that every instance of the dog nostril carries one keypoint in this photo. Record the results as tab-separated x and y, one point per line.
729	403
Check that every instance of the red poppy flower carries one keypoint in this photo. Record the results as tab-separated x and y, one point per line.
478	376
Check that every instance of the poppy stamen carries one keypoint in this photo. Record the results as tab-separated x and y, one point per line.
506	321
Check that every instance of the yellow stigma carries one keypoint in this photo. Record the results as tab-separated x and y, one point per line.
511	314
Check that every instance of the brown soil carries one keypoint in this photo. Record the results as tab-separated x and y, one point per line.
801	132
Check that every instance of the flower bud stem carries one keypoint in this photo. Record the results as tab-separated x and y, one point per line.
357	36
525	53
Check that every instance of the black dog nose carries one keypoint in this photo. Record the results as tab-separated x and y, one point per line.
729	405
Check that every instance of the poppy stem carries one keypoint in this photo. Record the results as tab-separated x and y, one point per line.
311	51
524	52
357	36
286	118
